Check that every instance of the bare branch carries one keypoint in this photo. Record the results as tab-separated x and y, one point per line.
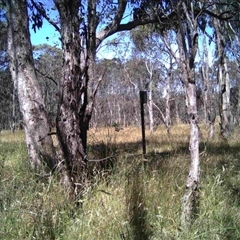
99	81
46	76
161	113
130	80
43	13
113	26
100	160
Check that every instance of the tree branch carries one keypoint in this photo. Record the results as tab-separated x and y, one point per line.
161	113
42	11
46	76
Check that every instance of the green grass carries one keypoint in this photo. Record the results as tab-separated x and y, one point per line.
130	197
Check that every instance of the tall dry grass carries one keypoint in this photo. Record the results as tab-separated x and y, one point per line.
129	196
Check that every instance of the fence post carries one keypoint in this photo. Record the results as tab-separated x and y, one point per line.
143	99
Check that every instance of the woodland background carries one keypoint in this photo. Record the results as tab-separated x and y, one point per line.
71	160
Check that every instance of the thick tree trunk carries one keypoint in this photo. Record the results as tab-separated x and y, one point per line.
36	125
72	91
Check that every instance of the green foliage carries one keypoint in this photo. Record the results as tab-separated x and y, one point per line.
140	199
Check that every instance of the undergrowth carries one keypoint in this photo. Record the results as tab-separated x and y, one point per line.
130	196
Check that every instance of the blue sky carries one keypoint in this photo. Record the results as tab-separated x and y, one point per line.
46	34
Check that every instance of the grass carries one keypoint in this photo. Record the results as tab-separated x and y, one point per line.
131	197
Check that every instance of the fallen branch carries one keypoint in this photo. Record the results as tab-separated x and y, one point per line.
100	160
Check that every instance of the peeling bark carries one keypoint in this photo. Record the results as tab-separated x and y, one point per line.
71	92
188	45
190	198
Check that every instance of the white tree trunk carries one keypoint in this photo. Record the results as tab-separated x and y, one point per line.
150	110
168	91
224	81
149	67
205	78
188	46
36	125
190	197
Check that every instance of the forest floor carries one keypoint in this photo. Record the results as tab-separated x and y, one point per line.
128	196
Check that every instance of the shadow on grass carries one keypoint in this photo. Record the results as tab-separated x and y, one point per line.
136	207
131	151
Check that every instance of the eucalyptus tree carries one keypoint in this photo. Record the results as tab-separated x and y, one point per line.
236	84
188	19
83	26
81	37
21	64
226	123
226	31
184	25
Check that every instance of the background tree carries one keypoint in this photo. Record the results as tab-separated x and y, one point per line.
48	61
224	81
10	115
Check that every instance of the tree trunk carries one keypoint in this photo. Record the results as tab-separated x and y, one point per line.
168	96
190	198
224	81
150	109
150	98
70	132
178	120
36	125
188	45
205	78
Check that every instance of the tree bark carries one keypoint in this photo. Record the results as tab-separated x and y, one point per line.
39	142
168	96
188	45
190	198
150	108
72	89
150	67
205	78
226	124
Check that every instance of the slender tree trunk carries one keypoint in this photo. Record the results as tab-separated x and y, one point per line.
190	198
205	78
35	119
150	108
150	98
188	45
168	96
238	105
178	120
13	123
224	81
119	115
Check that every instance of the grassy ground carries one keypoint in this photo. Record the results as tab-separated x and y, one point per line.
131	198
